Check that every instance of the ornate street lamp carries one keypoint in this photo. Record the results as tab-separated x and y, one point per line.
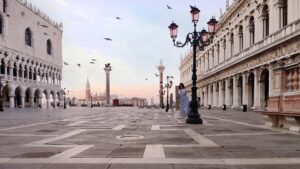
168	85
200	40
1	97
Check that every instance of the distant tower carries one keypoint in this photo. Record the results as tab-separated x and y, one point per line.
87	90
161	69
107	70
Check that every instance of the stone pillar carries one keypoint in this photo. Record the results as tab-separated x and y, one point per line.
47	101
256	89
5	70
161	69
23	101
12	101
54	100
40	99
271	81
11	73
107	70
214	99
209	95
221	93
227	94
22	75
245	89
32	101
17	69
235	92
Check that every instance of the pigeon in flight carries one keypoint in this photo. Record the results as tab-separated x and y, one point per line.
92	62
169	7
108	39
118	18
45	26
78	65
156	75
146	79
66	64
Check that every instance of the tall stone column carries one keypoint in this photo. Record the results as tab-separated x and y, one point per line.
107	70
161	69
221	93
32	101
256	90
11	101
227	92
235	92
23	101
245	89
209	95
11	95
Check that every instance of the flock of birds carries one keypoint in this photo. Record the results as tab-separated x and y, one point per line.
109	39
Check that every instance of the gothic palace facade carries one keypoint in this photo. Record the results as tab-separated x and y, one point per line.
31	56
254	61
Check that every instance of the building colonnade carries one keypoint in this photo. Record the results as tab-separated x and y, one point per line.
251	88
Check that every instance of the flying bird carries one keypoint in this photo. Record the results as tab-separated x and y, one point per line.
66	64
146	79
108	39
45	26
156	75
93	59
92	62
78	65
169	7
118	18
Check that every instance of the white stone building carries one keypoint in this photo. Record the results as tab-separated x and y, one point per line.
31	56
253	61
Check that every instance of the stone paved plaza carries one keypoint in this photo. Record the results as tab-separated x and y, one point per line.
129	138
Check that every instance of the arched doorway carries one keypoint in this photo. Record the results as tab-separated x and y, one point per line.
251	90
240	91
223	92
217	95
230	88
264	88
44	99
36	98
5	96
52	99
18	99
27	97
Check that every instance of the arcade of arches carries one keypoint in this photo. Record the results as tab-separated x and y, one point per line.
21	97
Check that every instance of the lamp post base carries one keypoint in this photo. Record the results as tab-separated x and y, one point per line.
194	119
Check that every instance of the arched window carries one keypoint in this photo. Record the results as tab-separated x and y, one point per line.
231	44
1	25
4	6
49	47
285	13
28	37
224	49
252	30
241	38
265	19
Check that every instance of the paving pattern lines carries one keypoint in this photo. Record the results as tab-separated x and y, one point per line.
199	161
48	122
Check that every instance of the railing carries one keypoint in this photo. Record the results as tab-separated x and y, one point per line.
288	31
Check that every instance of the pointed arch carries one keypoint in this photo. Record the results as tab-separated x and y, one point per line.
28	37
